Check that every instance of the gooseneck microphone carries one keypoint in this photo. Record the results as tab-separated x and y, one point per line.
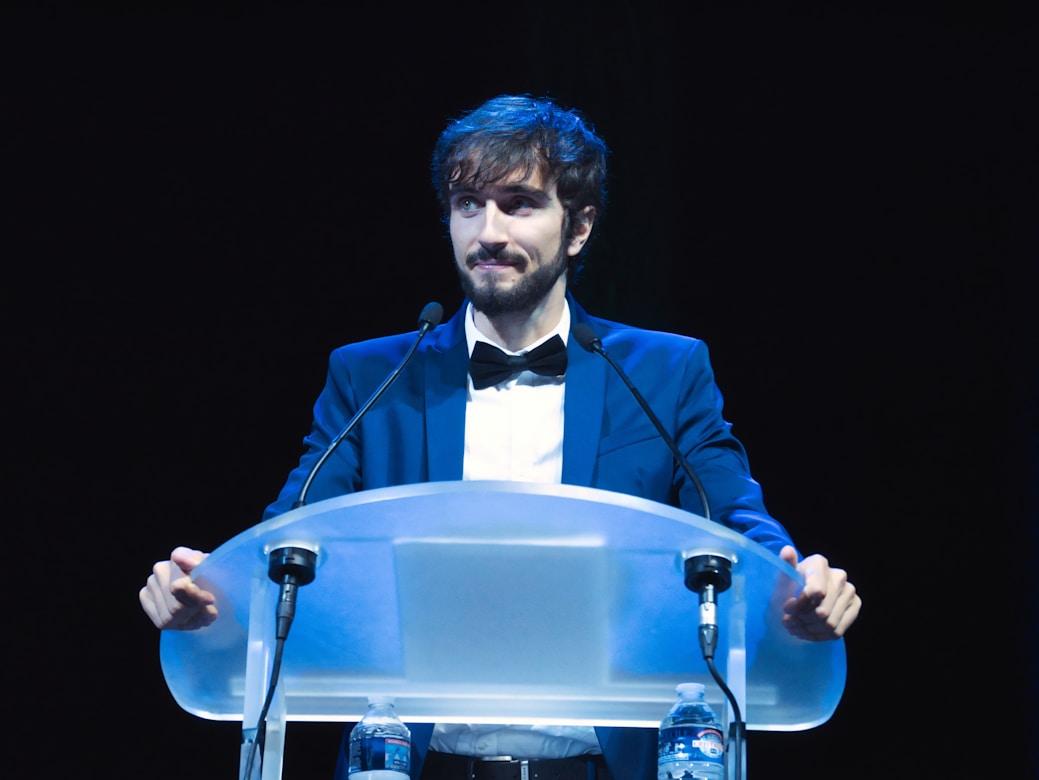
586	338
428	319
293	567
706	574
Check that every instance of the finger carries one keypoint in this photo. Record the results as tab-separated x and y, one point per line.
149	606
789	555
816	572
187	558
834	594
849	617
188	594
847	610
156	595
822	624
804	603
190	620
813	630
172	600
159	604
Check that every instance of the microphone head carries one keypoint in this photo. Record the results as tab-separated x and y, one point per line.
586	336
431	314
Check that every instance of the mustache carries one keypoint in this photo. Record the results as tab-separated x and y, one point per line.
482	255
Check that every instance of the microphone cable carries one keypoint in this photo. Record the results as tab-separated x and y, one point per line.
428	319
586	338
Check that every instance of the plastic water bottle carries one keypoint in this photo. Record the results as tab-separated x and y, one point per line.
690	745
380	744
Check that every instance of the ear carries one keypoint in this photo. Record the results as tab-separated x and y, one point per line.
580	230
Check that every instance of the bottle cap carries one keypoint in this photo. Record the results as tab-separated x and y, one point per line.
380	698
689	689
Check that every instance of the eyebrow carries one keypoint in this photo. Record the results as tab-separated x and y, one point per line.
519	188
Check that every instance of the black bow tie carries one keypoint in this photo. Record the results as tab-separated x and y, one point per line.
488	365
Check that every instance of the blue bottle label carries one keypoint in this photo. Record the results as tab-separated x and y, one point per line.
383	753
692	743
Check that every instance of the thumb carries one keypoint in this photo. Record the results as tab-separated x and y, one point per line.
789	554
186	558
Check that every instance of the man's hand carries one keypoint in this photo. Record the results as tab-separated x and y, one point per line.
172	600
826	606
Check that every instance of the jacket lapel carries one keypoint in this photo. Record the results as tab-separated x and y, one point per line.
582	407
447	371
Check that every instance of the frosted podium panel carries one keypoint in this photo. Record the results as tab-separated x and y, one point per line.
503	602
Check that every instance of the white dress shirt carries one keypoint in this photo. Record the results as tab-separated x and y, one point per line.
514	431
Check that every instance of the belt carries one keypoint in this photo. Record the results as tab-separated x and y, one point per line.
447	766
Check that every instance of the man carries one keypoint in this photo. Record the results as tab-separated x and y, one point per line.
521	181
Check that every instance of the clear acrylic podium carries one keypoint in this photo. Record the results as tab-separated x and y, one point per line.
496	602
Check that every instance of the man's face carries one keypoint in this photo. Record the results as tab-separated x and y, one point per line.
508	244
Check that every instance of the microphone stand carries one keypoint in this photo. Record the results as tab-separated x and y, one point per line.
708	575
291	568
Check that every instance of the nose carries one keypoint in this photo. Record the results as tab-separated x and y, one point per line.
493	234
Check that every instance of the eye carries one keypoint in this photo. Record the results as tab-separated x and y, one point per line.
521	204
466	203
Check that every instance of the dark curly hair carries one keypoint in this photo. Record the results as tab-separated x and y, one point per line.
512	133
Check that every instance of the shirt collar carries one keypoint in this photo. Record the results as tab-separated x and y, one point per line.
473	334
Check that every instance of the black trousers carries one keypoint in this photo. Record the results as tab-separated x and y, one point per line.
446	766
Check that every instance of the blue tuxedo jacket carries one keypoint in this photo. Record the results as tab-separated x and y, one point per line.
415	433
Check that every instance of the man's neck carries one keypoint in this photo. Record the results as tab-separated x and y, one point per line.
516	330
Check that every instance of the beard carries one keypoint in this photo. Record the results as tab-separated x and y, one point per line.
520	298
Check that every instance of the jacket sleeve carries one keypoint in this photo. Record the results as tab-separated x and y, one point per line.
718	458
340	474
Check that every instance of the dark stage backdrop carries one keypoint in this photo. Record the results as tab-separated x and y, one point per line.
842	203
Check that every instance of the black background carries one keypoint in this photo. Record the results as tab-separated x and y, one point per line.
841	199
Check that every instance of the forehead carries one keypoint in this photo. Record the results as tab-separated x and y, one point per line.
517	179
